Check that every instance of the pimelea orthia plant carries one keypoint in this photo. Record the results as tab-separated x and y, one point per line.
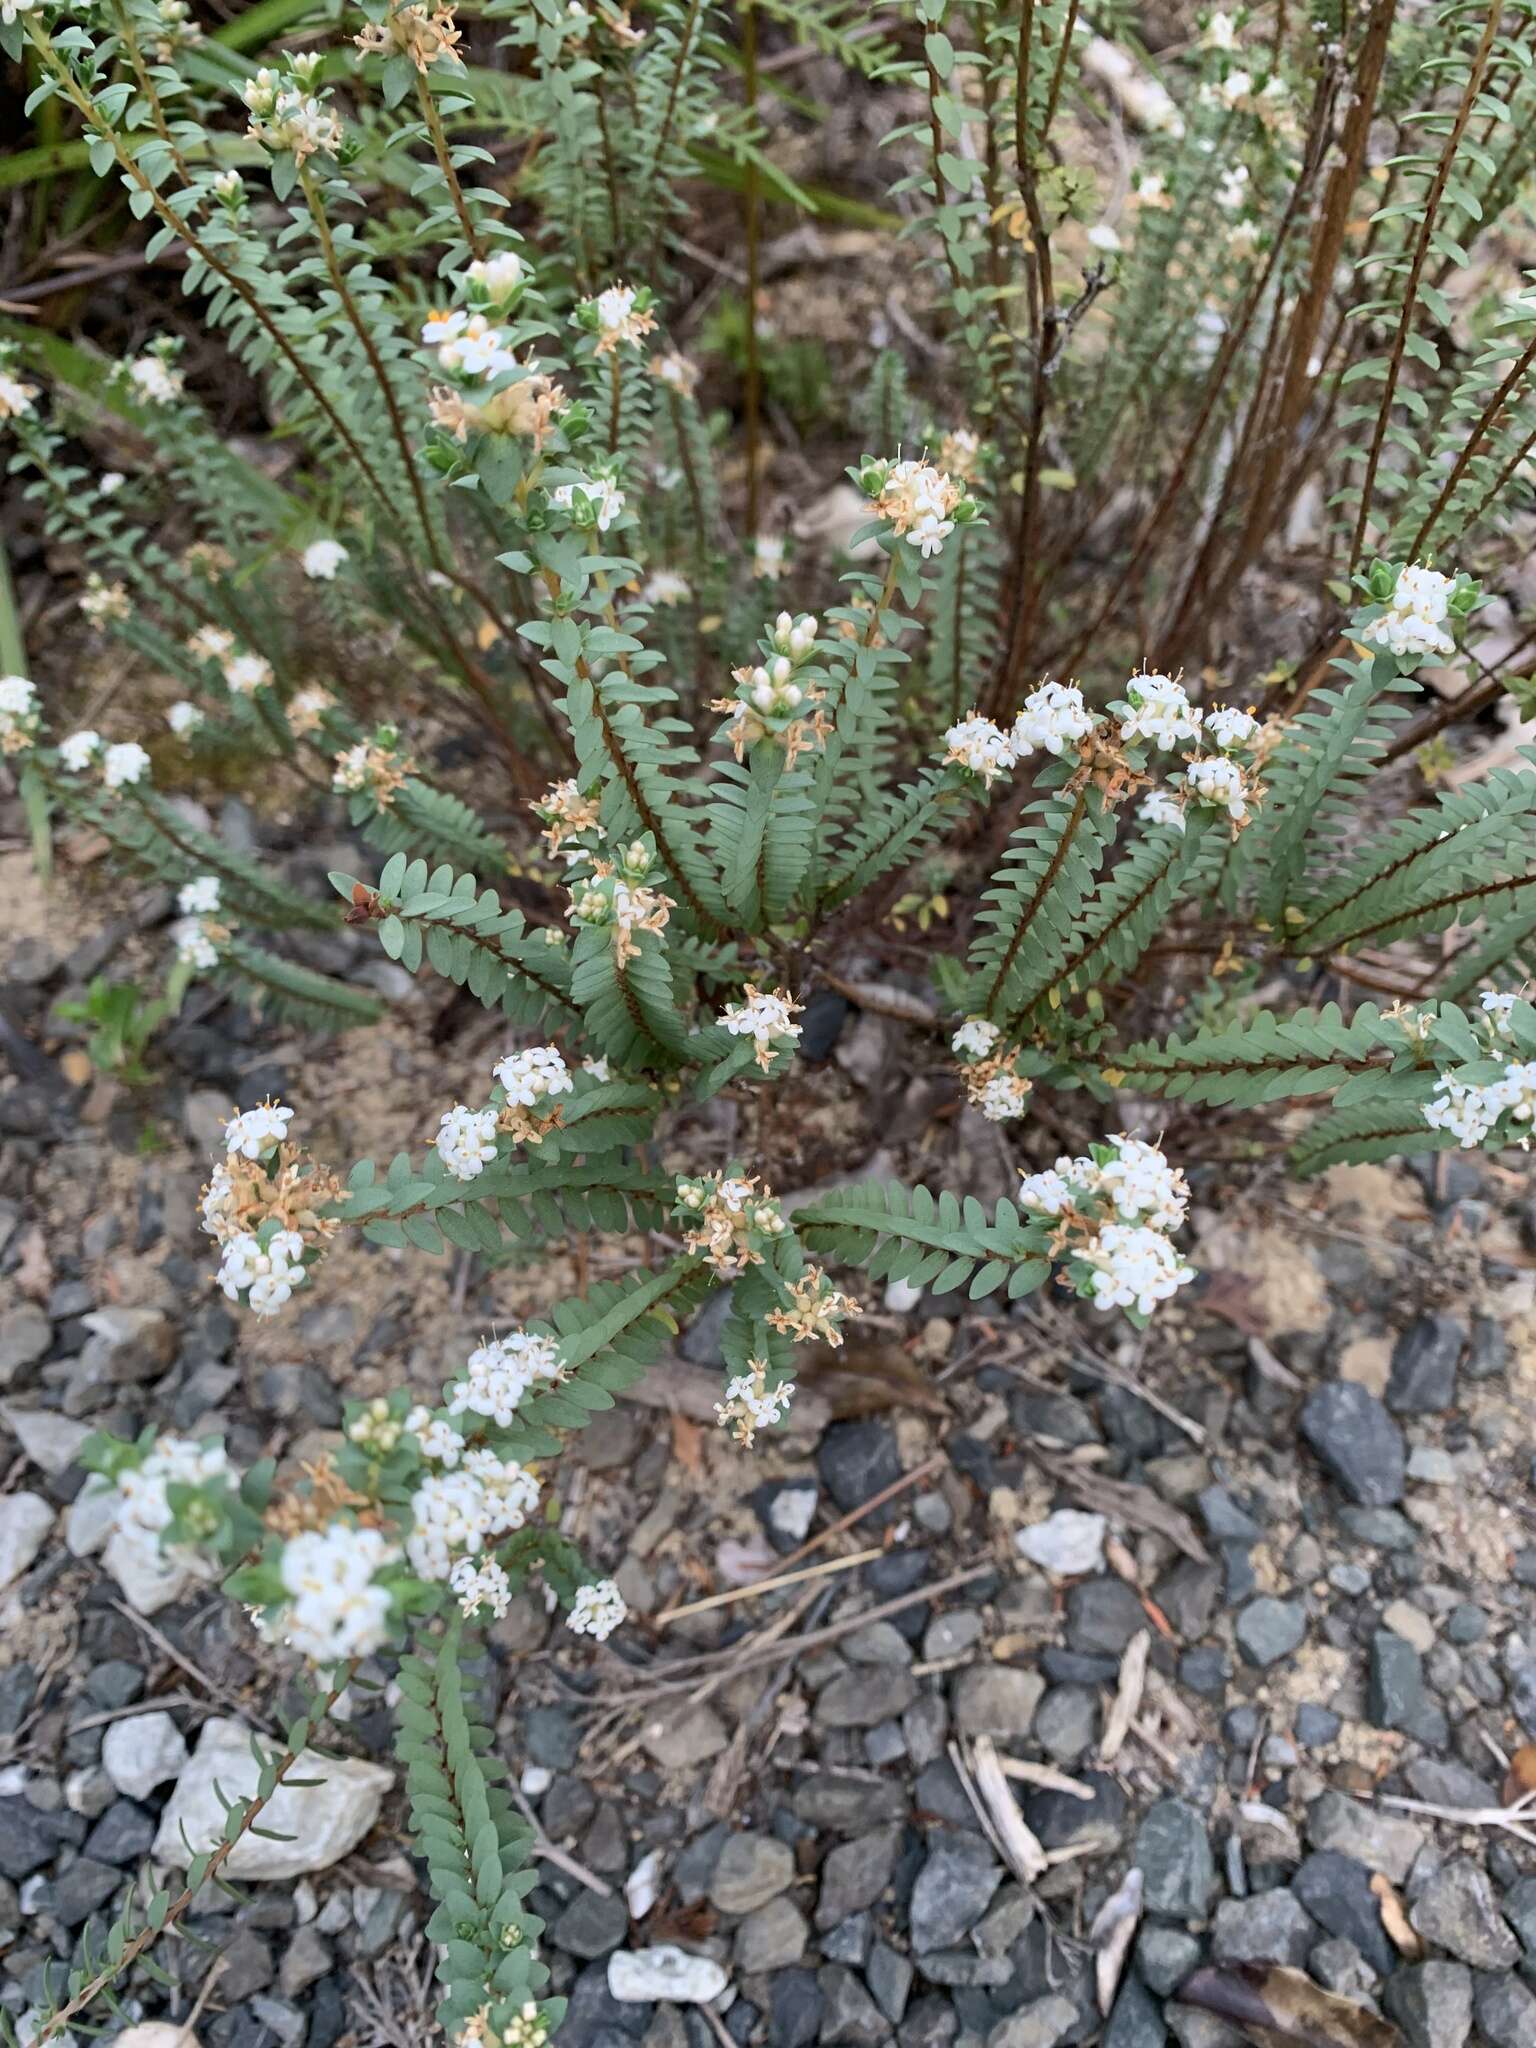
1109	715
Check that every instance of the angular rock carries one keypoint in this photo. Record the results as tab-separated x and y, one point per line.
1040	2025
1165	1956
953	1890
1505	2010
855	1874
1095	1825
1456	1910
1336	1891
864	1697
1432	2003
795	2007
996	1699
1173	1854
52	1441
845	1804
1388	1842
1396	1693
1068	1543
1136	2019
889	1977
1188	1595
1358	1442
691	1736
640	1976
1067	1723
1424	1362
25	1334
149	1580
327	1820
591	1925
750	1870
1102	1616
1271	1927
1269	1629
772	1937
849	2013
25	1519
1339	1966
142	1752
858	1460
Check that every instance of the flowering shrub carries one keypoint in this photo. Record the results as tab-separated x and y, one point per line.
509	497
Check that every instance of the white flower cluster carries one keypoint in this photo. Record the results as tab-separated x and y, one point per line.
251	1132
153	380
453	1514
322	558
124	765
750	1404
597	1610
496	280
1473	1113
497	1374
666	586
20	716
286	117
1216	780
197	932
593	501
336	1608
531	1076
481	1585
1159	808
184	718
102	601
1003	1095
1413	625
976	1038
143	1508
1159	711
618	314
767	1017
920	502
466	1140
1497	1009
1053	718
17	397
265	1276
1116	1215
467	344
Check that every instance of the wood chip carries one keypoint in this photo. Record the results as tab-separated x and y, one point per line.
1127	1700
1021	1850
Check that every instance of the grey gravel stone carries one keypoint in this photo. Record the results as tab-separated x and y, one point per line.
857	1460
591	1926
996	1699
961	1969
849	2014
1135	2019
1188	1595
1358	1442
1519	1905
855	1874
1339	1966
1165	1956
1271	1927
953	1890
1456	1910
1336	1891
795	2008
772	1937
889	1977
1063	1822
848	1805
1040	2025
1432	2003
1444	1783
864	1697
1396	1697
849	1943
1269	1629
1173	1854
1505	2010
1102	1616
1067	1723
1384	1841
750	1870
1424	1362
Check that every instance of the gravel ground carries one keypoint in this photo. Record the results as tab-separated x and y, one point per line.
1197	1610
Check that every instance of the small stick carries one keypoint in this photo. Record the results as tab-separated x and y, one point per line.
1045	1775
167	1648
812	1571
1127	1700
543	1847
876	1500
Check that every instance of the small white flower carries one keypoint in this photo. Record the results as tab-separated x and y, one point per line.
604	499
767	1017
251	1132
199	896
79	750
976	1038
1004	1097
1498	1009
322	558
1049	1192
1102	236
980	747
1160	711
1159	808
477	1586
1054	717
1414	623
597	1610
194	948
496	278
466	1140
528	1077
1219	781
666	586
18	697
768	557
124	764
336	1609
18	399
247	673
1225	726
110	482
154	381
183	719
